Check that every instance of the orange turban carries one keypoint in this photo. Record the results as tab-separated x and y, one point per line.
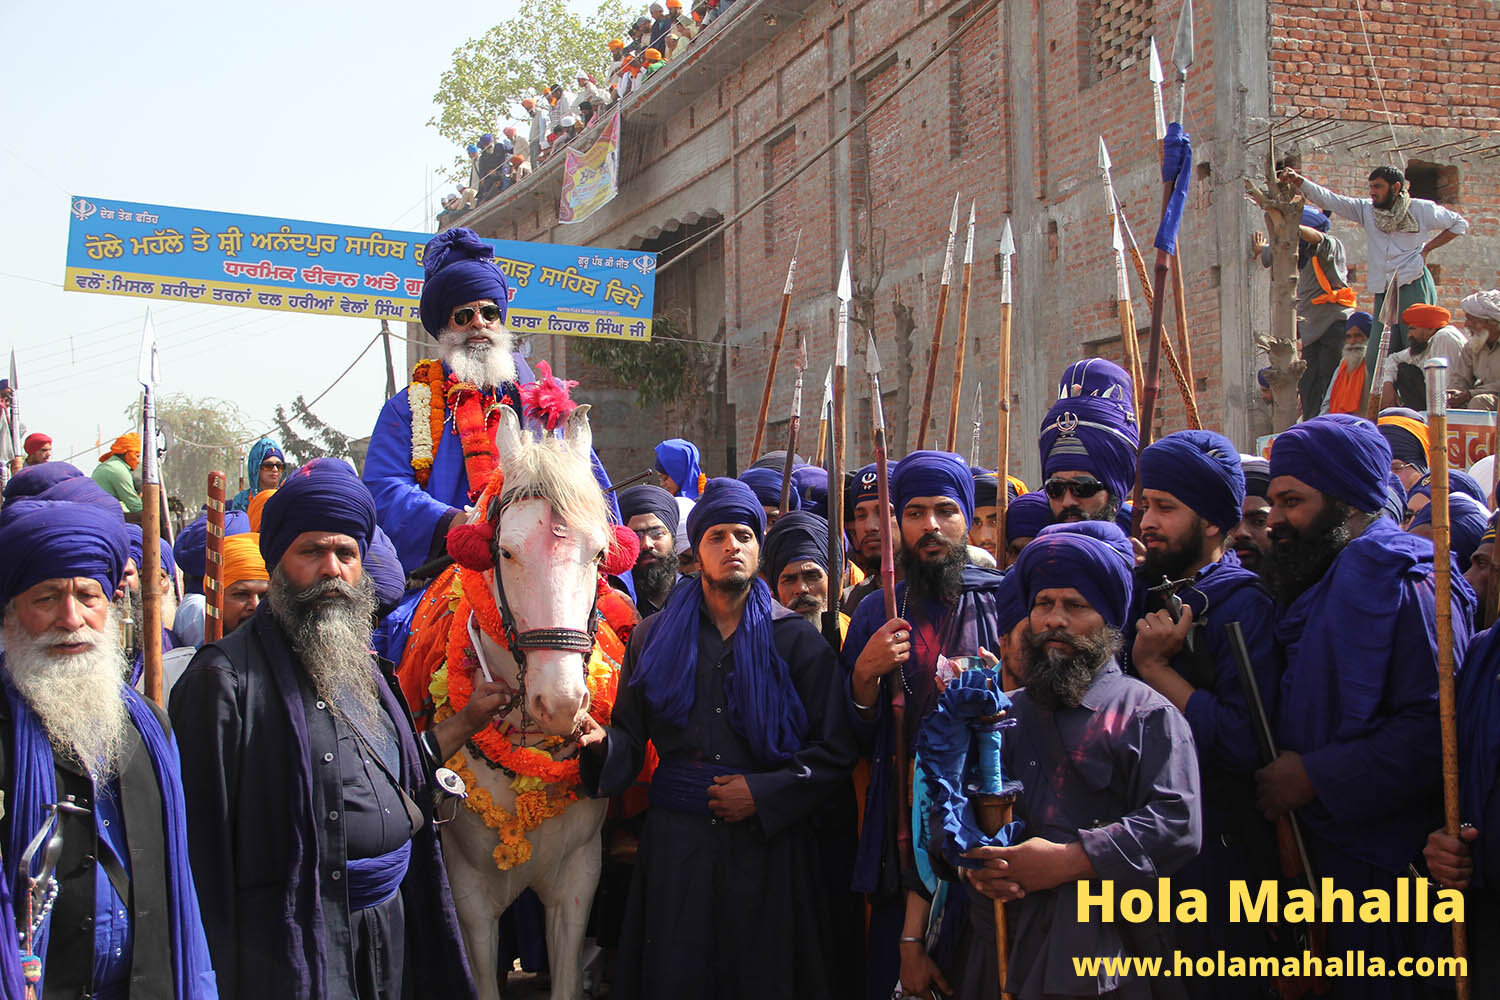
651	56
258	504
242	559
1426	315
125	444
615	45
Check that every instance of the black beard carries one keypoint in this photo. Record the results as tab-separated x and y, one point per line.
1250	557
1174	561
1057	679
729	586
1299	559
942	580
655	578
1070	514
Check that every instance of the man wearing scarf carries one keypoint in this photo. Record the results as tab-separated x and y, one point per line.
264	467
311	799
945	608
651	512
1400	231
1476	378
1088	442
1348	391
127	924
1193	489
1324	301
114	471
1359	691
743	701
796	566
1431	335
1109	782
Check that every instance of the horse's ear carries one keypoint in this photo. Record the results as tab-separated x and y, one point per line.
508	436
579	435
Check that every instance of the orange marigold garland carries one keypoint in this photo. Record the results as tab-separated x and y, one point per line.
427	392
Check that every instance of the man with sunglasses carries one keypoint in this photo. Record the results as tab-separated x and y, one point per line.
652	513
1188	588
1088	443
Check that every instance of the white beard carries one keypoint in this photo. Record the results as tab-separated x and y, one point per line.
77	698
1354	356
487	366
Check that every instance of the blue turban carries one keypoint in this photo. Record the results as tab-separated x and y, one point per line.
1405	431
1314	219
1337	454
933	474
1011	606
34	479
1200	468
459	267
679	459
191	548
1467	523
862	486
1027	515
726	501
138	549
1395	499
323	495
384	570
767	486
1257	473
1094	558
647	499
986	488
1460	481
807	478
486	140
1092	426
471	148
1361	319
797	537
50	540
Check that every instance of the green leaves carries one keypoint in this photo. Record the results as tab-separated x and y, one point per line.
656	370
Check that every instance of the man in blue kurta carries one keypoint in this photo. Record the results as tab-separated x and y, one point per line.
1193	491
125	920
1357	723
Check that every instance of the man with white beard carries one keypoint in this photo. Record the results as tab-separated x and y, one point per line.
71	733
312	826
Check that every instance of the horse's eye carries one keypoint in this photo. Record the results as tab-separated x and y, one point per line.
600	556
505	554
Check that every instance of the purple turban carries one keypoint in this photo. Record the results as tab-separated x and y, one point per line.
459	267
1467	523
49	540
767	486
191	548
323	495
1361	319
679	459
1011	606
796	537
1200	468
1092	557
1092	426
808	478
647	499
1027	515
726	501
81	489
34	479
863	485
138	549
385	571
933	474
1338	454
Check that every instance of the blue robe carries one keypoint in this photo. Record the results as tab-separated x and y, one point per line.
1359	703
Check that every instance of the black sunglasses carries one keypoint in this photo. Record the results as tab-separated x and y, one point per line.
465	316
1081	489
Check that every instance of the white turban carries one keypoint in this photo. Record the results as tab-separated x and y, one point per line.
1482	305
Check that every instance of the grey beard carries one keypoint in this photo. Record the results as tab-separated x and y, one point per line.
1057	679
1354	356
485	366
79	698
328	626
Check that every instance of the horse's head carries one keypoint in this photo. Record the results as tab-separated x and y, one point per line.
551	531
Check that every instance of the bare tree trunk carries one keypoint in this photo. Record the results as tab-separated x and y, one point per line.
1282	205
906	325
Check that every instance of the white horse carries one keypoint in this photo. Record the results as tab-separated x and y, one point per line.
551	532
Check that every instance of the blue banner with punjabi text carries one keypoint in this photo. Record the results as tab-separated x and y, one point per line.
220	258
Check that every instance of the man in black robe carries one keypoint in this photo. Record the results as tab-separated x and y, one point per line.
310	797
743	702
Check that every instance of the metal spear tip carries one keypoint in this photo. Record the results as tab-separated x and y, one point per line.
1157	76
1182	49
14	382
1105	163
1114	240
872	359
801	362
846	287
1007	240
971	214
953	219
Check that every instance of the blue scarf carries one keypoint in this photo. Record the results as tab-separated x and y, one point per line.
763	706
35	786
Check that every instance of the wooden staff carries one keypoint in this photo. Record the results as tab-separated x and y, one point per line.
823	413
765	395
1189	398
937	331
882	482
1389	317
963	336
1436	370
1129	345
831	631
213	560
794	424
1002	381
150	568
1179	311
992	812
1492	595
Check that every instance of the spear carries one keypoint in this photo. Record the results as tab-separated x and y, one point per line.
150	569
963	336
937	329
765	395
1128	342
15	417
823	412
883	483
1002	384
794	424
836	460
1189	399
1390	315
1157	79
213	561
978	422
1436	370
1182	55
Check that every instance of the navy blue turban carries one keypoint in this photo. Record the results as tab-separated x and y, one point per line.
767	486
796	537
1405	431
726	501
863	486
1314	219
1027	515
933	474
34	479
646	499
806	479
1361	319
1094	558
138	549
776	460
1395	499
1011	606
323	495
1200	468
1257	472
1467	523
1092	426
50	540
1460	481
986	488
679	458
459	267
191	548
385	572
1338	454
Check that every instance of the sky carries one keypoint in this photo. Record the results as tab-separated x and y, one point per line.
312	111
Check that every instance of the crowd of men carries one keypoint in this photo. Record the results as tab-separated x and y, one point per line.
275	832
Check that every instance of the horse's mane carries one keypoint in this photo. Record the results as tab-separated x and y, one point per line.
547	469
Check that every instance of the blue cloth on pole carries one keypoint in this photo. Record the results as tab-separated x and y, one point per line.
1176	170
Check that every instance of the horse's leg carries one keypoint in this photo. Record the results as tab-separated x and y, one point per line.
480	895
567	892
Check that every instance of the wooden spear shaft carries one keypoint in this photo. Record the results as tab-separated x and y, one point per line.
1491	596
780	338
963	338
213	562
1002	382
937	333
1184	342
1436	370
1189	399
150	568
